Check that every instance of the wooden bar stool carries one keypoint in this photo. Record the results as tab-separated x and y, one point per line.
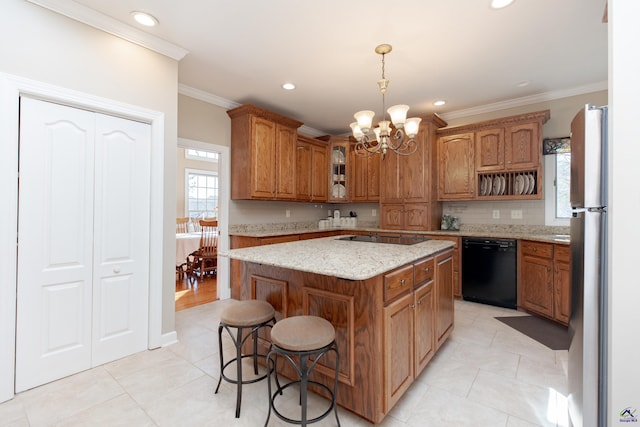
306	338
246	317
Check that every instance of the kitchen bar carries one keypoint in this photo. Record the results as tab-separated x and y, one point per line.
391	306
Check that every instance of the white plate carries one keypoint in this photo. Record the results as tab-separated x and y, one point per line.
338	157
532	184
338	191
503	185
489	185
483	186
525	181
496	185
519	184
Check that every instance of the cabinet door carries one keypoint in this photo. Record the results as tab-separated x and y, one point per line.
392	216
319	179
537	285
456	167
416	216
285	162
522	146
373	178
391	175
444	297
398	348
365	178
490	150
339	170
263	157
424	326
413	179
562	289
303	167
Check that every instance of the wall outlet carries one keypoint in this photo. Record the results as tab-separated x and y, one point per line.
516	214
374	212
287	213
496	214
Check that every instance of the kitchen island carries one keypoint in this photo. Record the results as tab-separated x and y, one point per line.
391	306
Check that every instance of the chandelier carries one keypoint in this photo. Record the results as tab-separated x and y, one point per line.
400	140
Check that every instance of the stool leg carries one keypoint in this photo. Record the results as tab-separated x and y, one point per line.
238	343
220	354
303	390
255	351
335	383
269	367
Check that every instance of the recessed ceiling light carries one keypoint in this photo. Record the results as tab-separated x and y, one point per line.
523	83
439	103
288	86
144	18
499	4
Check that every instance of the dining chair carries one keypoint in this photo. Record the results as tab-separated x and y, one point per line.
182	225
205	259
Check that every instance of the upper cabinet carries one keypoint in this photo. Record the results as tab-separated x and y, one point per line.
408	183
311	169
493	160
365	178
263	154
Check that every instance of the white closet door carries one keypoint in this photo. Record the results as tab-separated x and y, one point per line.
121	250
83	250
55	250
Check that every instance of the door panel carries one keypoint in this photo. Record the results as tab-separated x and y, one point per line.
121	238
55	242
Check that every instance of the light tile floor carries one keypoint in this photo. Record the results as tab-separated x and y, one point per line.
486	374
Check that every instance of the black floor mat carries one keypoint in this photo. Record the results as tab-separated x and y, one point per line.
546	332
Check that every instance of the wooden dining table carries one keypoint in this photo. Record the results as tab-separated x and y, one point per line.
186	243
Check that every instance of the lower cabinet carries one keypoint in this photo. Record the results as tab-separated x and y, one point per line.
545	281
416	321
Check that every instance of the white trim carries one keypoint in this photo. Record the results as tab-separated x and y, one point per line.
526	100
224	195
110	25
11	88
550	218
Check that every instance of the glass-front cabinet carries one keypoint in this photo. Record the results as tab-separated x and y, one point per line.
339	169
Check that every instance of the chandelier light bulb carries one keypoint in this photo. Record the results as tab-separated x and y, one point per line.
357	133
364	119
398	114
411	126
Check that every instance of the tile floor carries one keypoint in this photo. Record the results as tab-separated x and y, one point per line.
485	375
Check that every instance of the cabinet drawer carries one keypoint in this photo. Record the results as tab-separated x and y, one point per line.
398	283
424	271
562	253
537	249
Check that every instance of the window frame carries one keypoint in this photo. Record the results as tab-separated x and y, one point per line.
550	218
193	171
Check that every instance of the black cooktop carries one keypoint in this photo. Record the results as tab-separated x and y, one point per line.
395	240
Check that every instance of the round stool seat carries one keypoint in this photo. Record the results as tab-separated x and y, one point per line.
302	333
247	313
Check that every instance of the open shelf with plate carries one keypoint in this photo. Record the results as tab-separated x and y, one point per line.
339	171
509	185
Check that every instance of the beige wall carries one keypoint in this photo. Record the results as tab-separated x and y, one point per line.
47	47
201	121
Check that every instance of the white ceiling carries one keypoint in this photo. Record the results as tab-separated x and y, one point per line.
458	50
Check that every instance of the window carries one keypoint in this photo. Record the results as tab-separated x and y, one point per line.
201	193
563	178
207	156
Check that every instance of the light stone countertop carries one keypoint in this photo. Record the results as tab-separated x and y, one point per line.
340	258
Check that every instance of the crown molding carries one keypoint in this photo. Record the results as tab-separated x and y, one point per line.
110	25
526	100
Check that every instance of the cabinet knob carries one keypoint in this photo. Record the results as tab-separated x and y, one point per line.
116	269
426	270
413	306
402	282
535	249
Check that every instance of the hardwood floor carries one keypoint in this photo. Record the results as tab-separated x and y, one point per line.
192	292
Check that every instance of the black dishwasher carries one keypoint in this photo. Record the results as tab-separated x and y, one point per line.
489	271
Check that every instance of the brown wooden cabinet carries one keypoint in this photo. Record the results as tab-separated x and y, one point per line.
417	321
544	280
365	177
311	170
263	154
496	159
408	193
339	167
562	283
456	172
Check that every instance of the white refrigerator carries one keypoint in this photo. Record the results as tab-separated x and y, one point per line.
587	325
